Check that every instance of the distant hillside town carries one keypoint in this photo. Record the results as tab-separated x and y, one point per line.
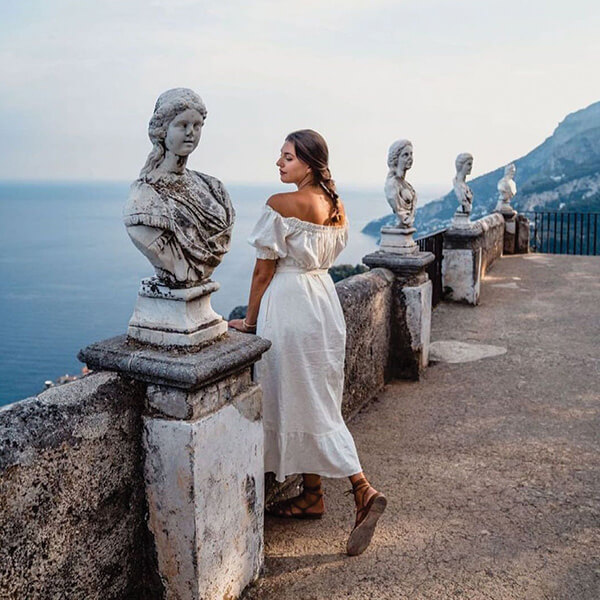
49	383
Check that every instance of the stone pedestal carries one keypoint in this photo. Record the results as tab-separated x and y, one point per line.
505	209
398	240
461	220
166	316
411	321
461	263
203	443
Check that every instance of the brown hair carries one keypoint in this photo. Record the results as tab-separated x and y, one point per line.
311	148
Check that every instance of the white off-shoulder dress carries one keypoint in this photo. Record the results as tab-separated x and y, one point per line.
302	374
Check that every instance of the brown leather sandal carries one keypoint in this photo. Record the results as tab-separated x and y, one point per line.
285	508
366	518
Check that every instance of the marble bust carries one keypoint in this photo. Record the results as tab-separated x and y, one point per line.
507	188
401	196
464	194
180	219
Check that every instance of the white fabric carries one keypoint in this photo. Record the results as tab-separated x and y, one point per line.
302	374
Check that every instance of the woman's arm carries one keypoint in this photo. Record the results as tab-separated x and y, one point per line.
261	278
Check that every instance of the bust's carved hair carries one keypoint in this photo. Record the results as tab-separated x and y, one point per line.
167	107
311	148
395	151
461	159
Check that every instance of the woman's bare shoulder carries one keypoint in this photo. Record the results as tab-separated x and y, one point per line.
285	203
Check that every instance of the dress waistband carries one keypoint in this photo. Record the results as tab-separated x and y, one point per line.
300	270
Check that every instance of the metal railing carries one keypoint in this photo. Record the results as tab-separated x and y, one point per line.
434	243
564	232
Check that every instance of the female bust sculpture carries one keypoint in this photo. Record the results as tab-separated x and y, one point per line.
181	220
400	195
464	165
507	188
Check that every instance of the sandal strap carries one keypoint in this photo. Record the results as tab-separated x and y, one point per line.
305	508
286	507
313	489
364	511
360	483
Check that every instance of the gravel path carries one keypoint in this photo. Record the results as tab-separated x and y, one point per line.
491	467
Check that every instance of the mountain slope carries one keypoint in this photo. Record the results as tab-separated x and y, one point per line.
562	173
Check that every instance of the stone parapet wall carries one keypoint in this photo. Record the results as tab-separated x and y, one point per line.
72	507
367	303
492	240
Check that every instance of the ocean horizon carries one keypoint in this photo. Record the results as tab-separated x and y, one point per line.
70	273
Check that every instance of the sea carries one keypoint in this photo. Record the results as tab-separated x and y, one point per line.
69	274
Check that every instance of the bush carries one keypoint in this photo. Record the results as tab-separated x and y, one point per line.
339	272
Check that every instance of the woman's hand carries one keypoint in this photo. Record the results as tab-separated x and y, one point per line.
241	325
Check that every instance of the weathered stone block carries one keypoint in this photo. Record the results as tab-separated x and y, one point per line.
205	490
523	233
461	274
366	300
164	316
72	505
175	367
411	329
411	314
467	256
185	404
409	268
398	240
510	235
418	320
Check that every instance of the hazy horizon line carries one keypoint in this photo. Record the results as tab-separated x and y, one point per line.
354	186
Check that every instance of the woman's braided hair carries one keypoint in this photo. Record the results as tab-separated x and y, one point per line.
311	148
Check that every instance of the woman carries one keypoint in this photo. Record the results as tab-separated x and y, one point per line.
294	304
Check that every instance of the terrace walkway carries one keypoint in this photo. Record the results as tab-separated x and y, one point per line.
491	467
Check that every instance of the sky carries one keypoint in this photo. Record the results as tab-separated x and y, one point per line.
79	79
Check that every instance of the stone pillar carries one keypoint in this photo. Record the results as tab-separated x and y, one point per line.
203	443
411	326
510	234
516	230
522	236
510	226
461	264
